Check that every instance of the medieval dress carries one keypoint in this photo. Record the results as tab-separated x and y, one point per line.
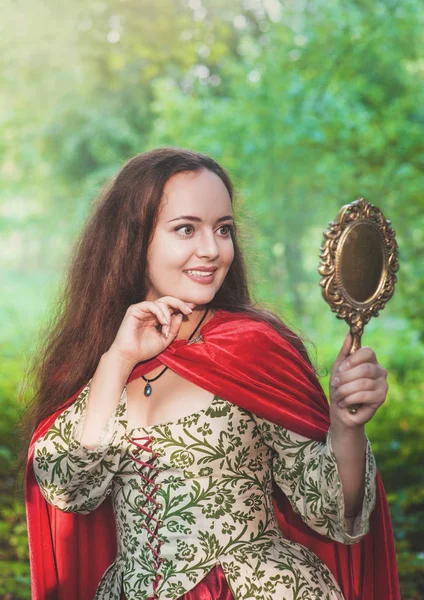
195	495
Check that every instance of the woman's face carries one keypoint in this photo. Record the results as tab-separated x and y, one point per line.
193	231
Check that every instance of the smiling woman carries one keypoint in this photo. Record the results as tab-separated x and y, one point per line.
181	441
192	241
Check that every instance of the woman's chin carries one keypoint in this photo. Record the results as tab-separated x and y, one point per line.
198	299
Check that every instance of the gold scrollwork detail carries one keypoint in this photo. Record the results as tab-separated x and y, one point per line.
359	261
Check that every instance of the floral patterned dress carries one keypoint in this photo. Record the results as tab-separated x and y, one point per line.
196	493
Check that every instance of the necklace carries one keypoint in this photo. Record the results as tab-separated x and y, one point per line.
148	388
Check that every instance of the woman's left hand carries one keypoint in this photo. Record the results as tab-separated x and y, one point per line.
356	379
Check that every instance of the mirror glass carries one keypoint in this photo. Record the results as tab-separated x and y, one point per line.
361	261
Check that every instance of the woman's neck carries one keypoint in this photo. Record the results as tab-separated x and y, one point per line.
190	322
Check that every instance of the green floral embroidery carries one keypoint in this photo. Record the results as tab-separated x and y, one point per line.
221	505
174	482
205	471
254	502
227	528
43	458
211	505
220	409
182	459
205	429
185	551
232	570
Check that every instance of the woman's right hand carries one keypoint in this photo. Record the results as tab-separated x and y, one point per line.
149	327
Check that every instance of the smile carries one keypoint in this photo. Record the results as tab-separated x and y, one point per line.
201	273
204	277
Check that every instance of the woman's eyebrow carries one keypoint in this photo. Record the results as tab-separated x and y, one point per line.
199	220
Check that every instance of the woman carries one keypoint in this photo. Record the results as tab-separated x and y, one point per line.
197	417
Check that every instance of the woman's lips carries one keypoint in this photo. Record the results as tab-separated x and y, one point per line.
201	278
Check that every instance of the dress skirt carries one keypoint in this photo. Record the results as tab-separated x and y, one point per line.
213	586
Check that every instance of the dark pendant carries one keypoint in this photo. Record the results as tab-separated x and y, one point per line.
147	389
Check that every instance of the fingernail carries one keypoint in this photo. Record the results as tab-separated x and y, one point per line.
335	381
343	366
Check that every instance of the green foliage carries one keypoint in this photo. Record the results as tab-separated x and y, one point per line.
14	570
308	105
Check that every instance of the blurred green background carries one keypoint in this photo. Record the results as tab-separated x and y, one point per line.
308	104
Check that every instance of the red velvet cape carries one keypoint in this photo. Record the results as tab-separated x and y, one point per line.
249	364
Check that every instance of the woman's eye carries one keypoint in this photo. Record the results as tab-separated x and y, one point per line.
228	228
183	230
184	227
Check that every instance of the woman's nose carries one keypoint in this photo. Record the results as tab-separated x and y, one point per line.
207	246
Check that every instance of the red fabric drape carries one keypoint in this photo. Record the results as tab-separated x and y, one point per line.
249	364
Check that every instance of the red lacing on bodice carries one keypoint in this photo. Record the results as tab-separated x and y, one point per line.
150	513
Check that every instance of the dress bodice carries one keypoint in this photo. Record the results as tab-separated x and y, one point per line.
196	492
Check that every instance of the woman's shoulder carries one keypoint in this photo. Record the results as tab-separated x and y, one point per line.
223	317
258	334
246	328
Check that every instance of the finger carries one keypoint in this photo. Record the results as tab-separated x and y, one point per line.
175	325
362	371
179	308
162	317
144	309
359	385
164	320
177	304
344	352
165	309
170	306
369	399
170	330
362	355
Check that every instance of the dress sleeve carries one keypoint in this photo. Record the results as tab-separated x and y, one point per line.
72	477
306	471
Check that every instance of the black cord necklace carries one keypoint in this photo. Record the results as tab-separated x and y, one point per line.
148	388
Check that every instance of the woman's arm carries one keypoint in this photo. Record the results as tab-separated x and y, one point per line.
355	379
105	391
71	477
139	338
349	447
307	472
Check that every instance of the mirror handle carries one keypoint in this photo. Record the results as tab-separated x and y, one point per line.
356	339
356	344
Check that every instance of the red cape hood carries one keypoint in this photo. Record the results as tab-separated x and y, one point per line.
248	363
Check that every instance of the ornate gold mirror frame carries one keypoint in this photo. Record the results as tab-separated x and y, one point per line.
359	259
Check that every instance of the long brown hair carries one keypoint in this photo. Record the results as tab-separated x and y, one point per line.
108	273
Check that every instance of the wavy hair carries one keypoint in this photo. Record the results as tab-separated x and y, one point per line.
108	273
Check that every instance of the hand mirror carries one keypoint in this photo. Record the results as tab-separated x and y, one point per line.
359	259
